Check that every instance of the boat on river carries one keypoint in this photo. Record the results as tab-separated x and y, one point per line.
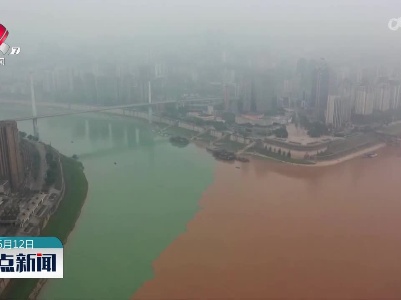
179	141
224	155
242	159
212	149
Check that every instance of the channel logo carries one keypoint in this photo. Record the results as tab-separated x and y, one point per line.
4	48
394	24
3	36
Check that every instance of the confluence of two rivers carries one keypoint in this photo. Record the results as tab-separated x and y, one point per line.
171	223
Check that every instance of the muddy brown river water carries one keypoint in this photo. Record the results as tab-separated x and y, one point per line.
276	231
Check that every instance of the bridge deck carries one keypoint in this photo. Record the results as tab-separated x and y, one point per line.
105	108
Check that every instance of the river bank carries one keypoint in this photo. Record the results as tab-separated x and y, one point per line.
284	232
326	163
60	225
188	133
353	155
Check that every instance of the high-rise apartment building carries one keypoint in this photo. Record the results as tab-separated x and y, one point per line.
330	110
382	96
338	111
364	102
261	92
11	163
320	89
395	95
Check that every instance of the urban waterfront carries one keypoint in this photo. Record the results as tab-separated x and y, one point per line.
261	230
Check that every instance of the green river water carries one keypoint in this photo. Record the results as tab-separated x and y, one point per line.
134	209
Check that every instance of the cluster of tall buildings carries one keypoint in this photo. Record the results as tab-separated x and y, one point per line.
256	81
339	93
11	157
363	100
383	96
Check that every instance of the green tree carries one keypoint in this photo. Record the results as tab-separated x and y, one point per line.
35	164
304	122
53	165
22	134
317	129
279	152
281	132
50	177
289	154
49	157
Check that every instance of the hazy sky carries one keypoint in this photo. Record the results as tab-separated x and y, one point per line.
294	23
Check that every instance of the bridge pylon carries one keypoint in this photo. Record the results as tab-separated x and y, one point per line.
35	128
34	113
150	103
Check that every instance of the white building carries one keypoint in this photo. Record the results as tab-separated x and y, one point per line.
30	208
364	101
395	96
331	103
382	96
261	120
338	110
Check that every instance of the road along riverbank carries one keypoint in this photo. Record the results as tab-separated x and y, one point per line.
326	163
350	156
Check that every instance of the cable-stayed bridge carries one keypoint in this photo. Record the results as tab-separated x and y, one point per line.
80	109
125	106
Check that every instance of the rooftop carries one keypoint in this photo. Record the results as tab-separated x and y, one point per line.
31	205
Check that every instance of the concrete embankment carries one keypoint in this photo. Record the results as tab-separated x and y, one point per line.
325	163
349	156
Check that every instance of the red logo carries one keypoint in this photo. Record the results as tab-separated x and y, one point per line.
3	36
